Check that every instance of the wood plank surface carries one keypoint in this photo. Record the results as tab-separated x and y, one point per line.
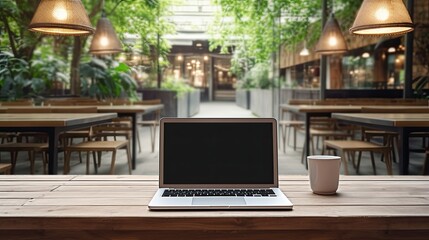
115	207
51	119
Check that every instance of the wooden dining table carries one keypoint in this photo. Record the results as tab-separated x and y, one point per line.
133	111
402	123
89	207
52	124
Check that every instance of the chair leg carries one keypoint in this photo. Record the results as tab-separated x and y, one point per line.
67	162
373	163
426	164
343	157
13	157
358	162
129	159
87	162
31	158
94	161
152	137
139	141
45	162
294	138
112	165
283	132
388	160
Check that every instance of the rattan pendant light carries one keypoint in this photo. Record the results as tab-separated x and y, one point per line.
105	40
382	18
61	17
332	40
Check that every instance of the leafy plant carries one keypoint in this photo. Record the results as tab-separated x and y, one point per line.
258	76
15	76
46	72
177	85
103	82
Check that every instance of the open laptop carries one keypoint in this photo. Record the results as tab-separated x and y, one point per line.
218	163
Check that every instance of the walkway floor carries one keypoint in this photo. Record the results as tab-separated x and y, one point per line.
147	162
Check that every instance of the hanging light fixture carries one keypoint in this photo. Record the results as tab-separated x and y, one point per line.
382	18
105	40
61	17
304	52
332	40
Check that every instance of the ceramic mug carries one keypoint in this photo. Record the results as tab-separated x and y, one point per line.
324	173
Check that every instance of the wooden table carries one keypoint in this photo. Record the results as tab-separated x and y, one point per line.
52	124
310	111
115	207
403	123
133	111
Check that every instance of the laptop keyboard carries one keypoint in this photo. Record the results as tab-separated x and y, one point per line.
219	193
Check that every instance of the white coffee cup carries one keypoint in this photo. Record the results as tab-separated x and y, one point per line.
324	173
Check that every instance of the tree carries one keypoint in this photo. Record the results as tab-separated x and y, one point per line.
257	28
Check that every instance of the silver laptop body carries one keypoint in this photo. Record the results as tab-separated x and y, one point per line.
218	163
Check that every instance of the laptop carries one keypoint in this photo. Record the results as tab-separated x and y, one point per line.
218	163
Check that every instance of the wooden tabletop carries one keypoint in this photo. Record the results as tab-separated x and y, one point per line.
321	108
387	119
113	207
100	108
51	119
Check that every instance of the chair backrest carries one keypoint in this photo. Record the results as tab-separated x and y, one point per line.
148	102
120	101
89	103
75	110
58	103
28	110
17	103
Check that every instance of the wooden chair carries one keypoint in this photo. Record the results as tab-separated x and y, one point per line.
325	129
285	127
348	148
99	144
31	148
152	124
68	137
425	170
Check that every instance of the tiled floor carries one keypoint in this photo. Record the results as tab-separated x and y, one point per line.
147	162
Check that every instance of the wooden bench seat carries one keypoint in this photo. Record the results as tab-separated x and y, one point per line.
5	168
348	147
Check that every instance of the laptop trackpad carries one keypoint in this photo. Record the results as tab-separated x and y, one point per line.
218	201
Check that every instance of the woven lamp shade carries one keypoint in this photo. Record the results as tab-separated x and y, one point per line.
105	40
61	17
332	40
382	18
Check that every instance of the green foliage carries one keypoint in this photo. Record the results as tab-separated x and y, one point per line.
14	76
257	28
177	85
46	71
258	77
103	82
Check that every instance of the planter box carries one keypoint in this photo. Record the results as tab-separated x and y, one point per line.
182	105
242	98
264	102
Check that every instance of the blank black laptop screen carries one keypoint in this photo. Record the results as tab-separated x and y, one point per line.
218	153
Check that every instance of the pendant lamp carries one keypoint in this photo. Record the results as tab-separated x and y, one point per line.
304	52
61	17
105	40
382	18
332	40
